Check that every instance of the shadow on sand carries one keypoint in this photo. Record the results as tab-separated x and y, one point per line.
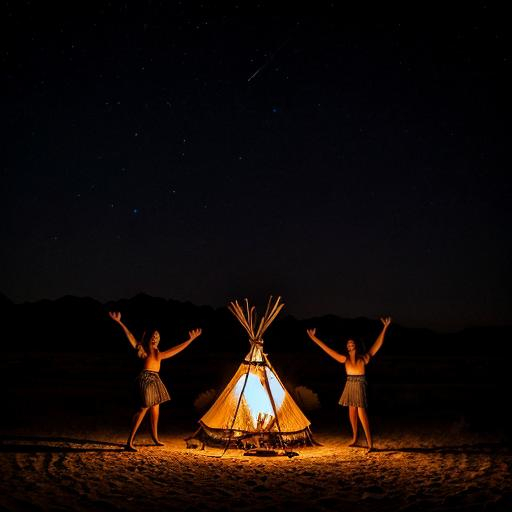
40	444
450	449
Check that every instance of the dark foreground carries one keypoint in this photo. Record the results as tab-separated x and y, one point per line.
61	448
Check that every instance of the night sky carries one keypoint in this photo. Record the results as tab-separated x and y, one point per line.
354	167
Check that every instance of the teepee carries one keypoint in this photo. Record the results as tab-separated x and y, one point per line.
255	409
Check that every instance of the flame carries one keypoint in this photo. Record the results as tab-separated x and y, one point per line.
257	399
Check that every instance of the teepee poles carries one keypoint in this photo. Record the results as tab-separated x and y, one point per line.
249	320
274	408
269	317
226	446
246	319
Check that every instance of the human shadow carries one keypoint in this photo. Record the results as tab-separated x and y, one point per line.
45	444
476	448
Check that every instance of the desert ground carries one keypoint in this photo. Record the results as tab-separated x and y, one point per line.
61	448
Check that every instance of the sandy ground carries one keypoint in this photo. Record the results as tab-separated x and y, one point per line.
65	419
438	468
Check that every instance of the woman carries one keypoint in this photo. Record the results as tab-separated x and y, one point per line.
354	394
151	388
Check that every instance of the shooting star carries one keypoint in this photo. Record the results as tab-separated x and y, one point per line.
272	55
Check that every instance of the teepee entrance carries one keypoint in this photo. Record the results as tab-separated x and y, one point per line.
255	411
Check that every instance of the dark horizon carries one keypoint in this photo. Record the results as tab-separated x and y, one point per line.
358	169
259	307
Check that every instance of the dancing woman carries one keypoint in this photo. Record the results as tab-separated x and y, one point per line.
151	388
354	393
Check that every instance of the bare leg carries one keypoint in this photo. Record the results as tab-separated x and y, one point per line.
352	414
363	416
136	421
153	415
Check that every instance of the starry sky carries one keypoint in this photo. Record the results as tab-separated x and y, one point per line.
354	167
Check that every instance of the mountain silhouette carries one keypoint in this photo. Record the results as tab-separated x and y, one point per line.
82	324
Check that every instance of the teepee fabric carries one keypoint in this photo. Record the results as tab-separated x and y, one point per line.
255	403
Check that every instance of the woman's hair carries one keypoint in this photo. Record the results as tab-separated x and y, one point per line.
143	346
141	351
360	349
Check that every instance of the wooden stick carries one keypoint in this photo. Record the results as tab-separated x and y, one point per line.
275	311
269	317
235	308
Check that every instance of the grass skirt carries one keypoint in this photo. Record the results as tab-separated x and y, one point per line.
354	393
152	390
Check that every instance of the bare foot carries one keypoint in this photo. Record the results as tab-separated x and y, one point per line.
130	448
353	444
158	443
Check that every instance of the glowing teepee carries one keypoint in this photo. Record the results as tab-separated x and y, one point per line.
255	408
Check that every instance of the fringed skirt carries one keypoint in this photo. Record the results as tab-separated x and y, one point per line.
354	393
152	390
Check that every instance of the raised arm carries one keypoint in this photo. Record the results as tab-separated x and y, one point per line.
116	316
380	339
178	348
335	355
